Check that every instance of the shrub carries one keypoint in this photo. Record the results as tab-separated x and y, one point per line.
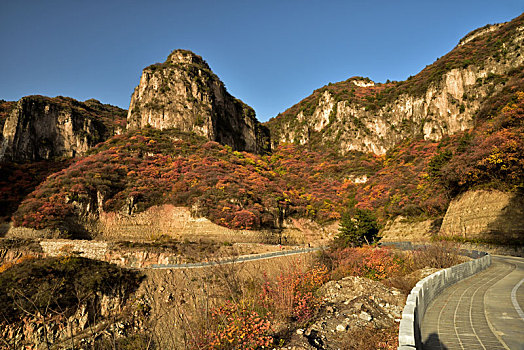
58	285
292	296
370	262
239	327
440	255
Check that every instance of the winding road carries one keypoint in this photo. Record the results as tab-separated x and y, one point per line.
484	311
241	258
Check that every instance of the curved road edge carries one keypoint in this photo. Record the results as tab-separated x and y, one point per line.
426	290
503	303
241	258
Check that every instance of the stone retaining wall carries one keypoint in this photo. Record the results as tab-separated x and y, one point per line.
87	249
426	290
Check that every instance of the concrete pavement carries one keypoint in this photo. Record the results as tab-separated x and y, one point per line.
481	312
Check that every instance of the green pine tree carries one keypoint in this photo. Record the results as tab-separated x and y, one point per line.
358	229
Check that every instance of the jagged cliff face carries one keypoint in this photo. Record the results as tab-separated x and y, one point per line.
184	93
40	128
443	99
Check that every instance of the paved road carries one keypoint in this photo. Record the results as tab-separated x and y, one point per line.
481	312
237	259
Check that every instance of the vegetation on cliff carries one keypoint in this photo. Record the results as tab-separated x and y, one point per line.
18	180
110	117
493	52
49	301
145	167
148	167
58	285
421	177
5	109
240	190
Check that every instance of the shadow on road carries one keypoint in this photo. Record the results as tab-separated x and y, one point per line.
433	342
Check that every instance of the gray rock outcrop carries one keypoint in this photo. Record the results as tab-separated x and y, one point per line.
40	127
184	93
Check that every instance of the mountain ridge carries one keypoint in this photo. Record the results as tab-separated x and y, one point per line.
414	168
442	99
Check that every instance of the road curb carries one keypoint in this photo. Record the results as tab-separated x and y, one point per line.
426	290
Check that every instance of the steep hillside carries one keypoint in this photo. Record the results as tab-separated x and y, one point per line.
184	93
416	174
132	172
41	133
420	177
18	180
39	127
443	99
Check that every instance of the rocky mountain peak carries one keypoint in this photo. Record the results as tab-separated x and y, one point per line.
184	93
181	56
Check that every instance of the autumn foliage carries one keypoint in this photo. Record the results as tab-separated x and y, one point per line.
292	294
235	189
134	171
18	180
238	327
367	261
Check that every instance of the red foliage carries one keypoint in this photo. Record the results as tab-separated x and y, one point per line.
495	154
238	327
370	262
404	186
417	179
18	180
292	295
233	189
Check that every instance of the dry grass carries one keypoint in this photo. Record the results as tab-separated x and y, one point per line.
178	303
424	261
439	255
180	306
372	339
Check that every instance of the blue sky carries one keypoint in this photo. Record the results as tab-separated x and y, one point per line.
270	54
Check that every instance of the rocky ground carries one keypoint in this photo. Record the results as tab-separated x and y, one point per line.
356	313
351	304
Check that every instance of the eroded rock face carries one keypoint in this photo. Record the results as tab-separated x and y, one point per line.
492	215
403	229
40	127
184	93
363	116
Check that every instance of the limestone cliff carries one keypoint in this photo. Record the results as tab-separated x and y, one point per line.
184	93
443	99
40	127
